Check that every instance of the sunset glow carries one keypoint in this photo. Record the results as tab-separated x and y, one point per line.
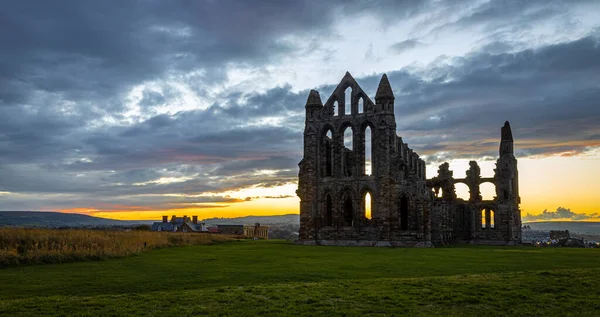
545	183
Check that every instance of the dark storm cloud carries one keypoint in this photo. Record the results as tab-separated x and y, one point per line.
91	49
544	93
219	132
34	134
504	19
456	112
96	50
118	203
217	142
455	108
66	66
494	13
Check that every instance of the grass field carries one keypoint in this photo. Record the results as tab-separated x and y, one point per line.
20	246
251	278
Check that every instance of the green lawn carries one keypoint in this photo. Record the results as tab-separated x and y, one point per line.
276	278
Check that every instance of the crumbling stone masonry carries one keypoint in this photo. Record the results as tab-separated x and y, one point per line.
407	209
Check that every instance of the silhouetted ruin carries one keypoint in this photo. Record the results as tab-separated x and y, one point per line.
407	209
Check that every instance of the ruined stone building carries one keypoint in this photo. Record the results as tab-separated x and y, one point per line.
257	231
344	200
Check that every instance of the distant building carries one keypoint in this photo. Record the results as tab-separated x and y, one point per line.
179	224
187	224
257	231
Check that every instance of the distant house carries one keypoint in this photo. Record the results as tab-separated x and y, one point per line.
179	224
167	226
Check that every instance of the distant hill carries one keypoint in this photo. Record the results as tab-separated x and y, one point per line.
263	220
39	219
583	227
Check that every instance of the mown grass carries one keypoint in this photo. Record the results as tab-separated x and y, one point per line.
274	278
33	246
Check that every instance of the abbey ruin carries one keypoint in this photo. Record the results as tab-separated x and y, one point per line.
387	200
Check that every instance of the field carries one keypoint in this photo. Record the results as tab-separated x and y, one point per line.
251	278
32	246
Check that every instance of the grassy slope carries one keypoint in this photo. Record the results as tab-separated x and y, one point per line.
249	278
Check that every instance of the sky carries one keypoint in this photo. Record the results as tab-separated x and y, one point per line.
135	109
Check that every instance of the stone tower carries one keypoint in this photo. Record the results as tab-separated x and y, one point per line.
506	179
335	180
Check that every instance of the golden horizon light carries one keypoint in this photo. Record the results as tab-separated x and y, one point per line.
545	183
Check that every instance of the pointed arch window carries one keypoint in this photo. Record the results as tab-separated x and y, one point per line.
361	105
347	101
337	109
368	146
327	151
348	152
483	219
368	205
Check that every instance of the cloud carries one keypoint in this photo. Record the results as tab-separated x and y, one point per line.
234	141
405	45
544	93
101	202
560	214
246	132
278	197
157	101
